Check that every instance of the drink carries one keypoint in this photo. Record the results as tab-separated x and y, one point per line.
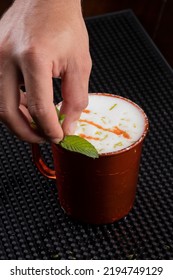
110	123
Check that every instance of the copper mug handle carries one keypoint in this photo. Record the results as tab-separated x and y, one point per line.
39	162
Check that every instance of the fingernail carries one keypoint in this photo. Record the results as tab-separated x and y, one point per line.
56	140
72	128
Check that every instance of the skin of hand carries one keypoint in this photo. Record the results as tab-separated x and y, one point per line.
41	39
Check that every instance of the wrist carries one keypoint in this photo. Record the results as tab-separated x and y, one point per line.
51	5
50	2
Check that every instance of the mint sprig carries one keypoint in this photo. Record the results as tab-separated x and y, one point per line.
80	145
73	143
76	143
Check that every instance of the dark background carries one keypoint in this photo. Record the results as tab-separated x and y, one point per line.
32	223
155	16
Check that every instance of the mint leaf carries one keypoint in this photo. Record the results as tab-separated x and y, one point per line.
78	144
60	117
33	125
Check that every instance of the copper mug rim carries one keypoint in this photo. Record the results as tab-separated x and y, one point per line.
142	137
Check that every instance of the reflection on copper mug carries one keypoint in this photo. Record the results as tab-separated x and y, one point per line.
96	191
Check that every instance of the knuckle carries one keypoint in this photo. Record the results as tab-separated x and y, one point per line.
31	55
37	110
85	66
28	50
80	65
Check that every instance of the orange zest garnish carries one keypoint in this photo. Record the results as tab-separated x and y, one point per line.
116	130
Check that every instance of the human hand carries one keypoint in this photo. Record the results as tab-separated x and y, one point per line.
39	40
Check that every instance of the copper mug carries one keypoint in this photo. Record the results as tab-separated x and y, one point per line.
95	191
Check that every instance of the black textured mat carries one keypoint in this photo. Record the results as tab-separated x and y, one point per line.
32	224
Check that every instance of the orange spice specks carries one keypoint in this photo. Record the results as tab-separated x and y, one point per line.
86	111
89	137
119	131
116	130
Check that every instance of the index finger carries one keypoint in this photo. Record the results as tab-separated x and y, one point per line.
38	82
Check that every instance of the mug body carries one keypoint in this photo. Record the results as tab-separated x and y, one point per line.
97	191
101	190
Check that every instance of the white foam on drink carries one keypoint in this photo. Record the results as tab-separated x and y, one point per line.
110	123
